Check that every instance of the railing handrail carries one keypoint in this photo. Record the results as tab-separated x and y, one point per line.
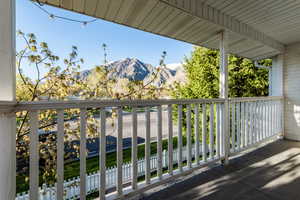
244	99
68	104
13	106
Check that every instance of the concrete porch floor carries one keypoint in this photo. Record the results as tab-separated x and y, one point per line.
271	172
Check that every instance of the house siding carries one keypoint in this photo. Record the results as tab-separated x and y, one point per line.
291	85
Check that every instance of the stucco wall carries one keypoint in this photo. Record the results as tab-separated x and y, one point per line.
291	91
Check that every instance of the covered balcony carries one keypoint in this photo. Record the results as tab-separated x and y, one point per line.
219	155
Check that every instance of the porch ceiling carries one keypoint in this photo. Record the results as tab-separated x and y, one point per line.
258	28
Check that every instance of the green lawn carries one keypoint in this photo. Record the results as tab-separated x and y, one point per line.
73	169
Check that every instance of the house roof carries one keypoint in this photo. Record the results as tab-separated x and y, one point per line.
257	28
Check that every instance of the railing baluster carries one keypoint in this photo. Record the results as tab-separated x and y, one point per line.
102	155
189	136
242	125
273	118
267	119
170	139
264	120
233	126
222	129
280	120
180	137
259	118
260	121
83	117
256	125
281	116
34	157
60	155
277	117
246	124
251	138
211	132
238	120
134	149
119	178
159	142
270	118
255	122
147	146
197	142
204	128
218	131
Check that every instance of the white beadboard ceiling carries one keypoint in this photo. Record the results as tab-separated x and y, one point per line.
258	28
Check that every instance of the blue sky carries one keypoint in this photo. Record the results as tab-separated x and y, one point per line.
122	41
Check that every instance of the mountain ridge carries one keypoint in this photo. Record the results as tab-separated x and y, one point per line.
134	69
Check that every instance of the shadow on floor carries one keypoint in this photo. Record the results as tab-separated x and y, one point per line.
271	172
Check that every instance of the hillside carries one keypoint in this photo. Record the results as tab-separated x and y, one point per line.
135	70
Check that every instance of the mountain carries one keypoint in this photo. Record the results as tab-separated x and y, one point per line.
178	73
135	70
132	69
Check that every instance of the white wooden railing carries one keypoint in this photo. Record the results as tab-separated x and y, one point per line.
251	121
254	121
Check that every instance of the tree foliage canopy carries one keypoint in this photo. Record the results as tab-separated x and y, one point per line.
202	71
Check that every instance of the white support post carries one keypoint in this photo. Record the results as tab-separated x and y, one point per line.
276	82
7	93
276	76
7	50
224	92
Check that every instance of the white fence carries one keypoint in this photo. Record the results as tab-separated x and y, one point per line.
72	188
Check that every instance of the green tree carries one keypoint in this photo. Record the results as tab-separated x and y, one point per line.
202	74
